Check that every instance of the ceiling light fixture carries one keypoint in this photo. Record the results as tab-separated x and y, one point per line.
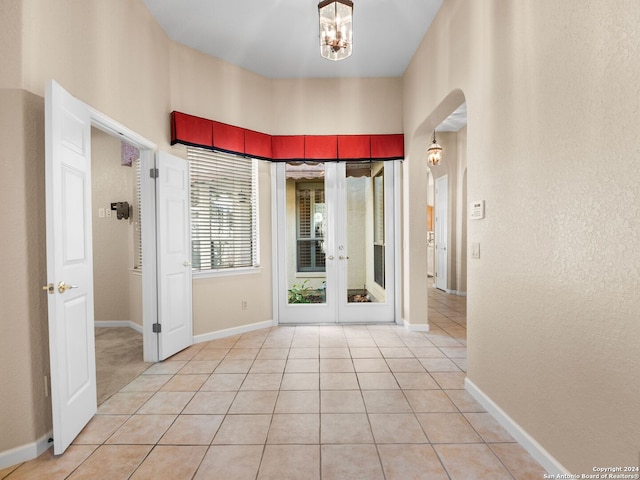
336	28
434	152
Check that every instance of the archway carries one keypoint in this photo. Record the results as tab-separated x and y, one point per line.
449	121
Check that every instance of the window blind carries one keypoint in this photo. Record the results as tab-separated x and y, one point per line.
137	233
224	223
311	227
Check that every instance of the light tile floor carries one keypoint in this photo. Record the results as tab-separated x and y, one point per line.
306	402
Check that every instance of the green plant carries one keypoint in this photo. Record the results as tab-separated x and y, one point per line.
301	293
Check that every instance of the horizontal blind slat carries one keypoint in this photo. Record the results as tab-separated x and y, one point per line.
223	210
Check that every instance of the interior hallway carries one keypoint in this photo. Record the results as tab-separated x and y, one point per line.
330	402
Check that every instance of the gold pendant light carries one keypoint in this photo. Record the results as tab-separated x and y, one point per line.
336	28
434	152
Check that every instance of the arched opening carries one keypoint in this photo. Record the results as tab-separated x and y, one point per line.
442	192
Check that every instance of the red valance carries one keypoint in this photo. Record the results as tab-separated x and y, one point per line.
201	132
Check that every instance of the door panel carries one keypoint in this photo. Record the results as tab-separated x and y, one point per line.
69	264
335	265
174	255
365	245
307	295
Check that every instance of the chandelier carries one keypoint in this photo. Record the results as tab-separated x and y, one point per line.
434	152
336	28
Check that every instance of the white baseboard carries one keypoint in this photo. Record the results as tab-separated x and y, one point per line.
454	292
412	327
26	452
537	451
228	332
118	323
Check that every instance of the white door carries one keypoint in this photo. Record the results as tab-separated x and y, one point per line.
441	227
69	264
335	245
174	255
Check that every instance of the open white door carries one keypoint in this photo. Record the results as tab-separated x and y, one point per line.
69	264
174	255
441	231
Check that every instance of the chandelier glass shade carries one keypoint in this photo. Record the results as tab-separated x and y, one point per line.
336	28
434	152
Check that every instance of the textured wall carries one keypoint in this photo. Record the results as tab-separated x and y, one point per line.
332	106
11	42
25	412
553	302
112	238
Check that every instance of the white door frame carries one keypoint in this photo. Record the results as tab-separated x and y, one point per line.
321	312
148	197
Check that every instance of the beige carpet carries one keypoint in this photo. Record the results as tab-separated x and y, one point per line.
118	359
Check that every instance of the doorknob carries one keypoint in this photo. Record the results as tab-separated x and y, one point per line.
186	263
63	287
343	257
330	257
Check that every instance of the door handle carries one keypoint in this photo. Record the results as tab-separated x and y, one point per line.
63	287
341	257
186	263
330	257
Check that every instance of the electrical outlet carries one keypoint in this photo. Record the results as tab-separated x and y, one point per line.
244	305
475	250
109	213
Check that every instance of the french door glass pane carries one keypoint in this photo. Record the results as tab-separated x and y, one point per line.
306	229
364	252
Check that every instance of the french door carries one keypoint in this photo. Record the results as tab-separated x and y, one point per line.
335	242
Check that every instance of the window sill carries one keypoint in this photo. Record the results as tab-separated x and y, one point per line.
311	274
227	272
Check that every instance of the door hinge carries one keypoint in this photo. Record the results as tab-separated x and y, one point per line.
154	173
157	328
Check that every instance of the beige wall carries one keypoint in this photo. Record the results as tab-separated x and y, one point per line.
553	301
336	106
112	238
111	55
211	88
460	214
11	42
25	412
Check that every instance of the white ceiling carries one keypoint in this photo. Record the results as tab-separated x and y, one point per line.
455	121
279	38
